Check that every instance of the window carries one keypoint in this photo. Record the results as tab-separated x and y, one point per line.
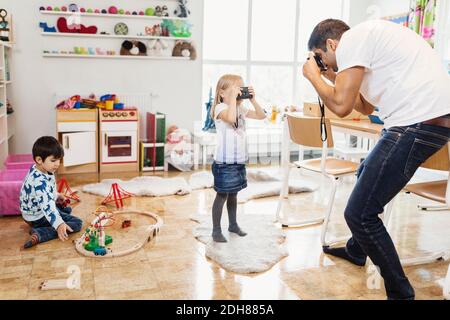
265	41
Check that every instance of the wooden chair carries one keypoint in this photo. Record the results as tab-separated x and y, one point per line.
306	131
435	190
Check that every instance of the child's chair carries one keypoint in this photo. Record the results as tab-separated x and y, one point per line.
438	191
306	131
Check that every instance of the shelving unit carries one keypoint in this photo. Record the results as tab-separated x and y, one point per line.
60	55
48	53
7	122
107	15
152	151
108	36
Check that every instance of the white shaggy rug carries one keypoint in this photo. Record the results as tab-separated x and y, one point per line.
260	184
258	251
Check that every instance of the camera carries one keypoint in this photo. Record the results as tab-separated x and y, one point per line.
244	94
320	63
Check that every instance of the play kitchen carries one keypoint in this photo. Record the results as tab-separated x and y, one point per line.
98	136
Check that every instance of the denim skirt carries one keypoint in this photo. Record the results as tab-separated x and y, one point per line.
229	178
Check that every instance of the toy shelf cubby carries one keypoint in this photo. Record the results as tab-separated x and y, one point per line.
152	156
7	127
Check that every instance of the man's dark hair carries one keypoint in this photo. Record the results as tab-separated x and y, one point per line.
327	29
47	146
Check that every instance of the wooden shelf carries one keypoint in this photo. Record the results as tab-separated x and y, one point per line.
112	36
107	15
97	56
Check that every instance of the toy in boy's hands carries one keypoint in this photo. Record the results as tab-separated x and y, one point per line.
245	94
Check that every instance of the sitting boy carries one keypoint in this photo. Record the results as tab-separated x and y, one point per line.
38	196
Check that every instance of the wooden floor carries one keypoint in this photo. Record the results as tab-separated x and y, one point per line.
175	267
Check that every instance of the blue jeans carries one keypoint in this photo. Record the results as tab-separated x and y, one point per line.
387	169
229	177
46	232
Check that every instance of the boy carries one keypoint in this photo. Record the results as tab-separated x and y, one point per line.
38	197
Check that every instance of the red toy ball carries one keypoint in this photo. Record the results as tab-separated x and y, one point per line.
82	10
97	11
127	12
64	9
141	13
49	8
112	10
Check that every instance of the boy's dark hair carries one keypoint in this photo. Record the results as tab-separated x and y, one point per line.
47	146
327	29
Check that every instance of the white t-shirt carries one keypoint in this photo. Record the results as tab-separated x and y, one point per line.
231	139
404	76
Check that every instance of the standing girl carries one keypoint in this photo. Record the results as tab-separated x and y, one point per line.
231	155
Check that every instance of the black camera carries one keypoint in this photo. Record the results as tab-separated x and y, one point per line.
320	63
244	94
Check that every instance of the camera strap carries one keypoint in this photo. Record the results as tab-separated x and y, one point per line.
323	128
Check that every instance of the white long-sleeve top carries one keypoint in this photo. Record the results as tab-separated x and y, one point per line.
38	197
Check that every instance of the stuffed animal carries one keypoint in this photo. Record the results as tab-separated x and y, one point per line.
184	49
157	47
158	11
133	48
182	11
165	11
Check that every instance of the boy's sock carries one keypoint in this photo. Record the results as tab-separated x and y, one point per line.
232	208
342	253
34	240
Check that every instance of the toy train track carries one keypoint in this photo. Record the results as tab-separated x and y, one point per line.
152	231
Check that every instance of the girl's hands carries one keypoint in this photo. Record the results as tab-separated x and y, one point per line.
251	90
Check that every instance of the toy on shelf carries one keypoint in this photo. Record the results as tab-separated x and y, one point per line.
117	195
94	241
64	189
4	26
109	102
182	11
184	49
73	7
9	108
46	28
121	29
158	47
74	28
150	11
73	102
100	51
177	28
157	31
133	48
112	10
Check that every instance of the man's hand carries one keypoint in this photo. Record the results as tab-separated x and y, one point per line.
310	69
62	231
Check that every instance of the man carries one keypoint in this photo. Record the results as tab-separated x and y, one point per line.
379	63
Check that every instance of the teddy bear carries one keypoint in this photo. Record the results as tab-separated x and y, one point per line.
133	48
184	49
158	47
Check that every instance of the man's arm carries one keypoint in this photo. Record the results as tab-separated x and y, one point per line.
344	96
363	106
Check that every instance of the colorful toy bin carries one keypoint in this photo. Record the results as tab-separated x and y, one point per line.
19	161
10	184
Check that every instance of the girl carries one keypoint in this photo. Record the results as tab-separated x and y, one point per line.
231	152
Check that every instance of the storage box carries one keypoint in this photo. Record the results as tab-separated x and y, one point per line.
313	110
10	184
19	161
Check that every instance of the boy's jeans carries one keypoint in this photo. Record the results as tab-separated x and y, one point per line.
46	232
387	169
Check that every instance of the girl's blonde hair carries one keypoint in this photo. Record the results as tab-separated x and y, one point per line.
224	83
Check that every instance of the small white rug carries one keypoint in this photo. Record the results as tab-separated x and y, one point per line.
260	184
258	251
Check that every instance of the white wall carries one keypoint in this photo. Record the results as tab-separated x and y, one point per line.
36	80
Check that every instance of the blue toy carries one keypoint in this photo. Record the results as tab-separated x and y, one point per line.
46	28
209	122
